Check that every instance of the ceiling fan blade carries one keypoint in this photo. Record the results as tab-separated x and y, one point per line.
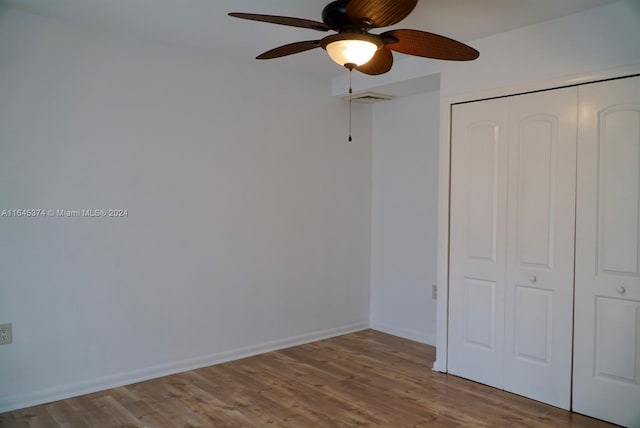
381	62
290	49
282	20
381	13
429	45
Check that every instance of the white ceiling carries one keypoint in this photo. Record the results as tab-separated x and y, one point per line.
204	25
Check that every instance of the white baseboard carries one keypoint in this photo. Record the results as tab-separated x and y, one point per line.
417	336
437	367
100	384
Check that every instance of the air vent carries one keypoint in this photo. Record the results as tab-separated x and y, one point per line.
368	98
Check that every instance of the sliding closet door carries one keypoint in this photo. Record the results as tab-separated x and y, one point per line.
477	240
540	245
607	316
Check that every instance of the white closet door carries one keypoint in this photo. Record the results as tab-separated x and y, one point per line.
477	241
540	245
607	295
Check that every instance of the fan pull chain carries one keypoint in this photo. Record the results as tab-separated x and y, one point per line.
350	99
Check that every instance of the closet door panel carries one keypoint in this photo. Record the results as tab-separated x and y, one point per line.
607	297
618	189
536	175
477	239
540	245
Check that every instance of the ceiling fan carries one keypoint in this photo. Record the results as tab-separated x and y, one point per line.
355	47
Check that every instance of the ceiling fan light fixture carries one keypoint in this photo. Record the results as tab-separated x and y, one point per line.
356	52
351	48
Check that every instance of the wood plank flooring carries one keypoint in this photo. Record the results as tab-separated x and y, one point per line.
366	378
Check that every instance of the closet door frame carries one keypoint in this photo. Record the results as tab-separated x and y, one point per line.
445	175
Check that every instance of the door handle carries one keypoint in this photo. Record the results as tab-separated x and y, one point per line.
621	290
533	278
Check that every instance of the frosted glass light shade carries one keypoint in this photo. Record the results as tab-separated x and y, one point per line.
348	51
351	49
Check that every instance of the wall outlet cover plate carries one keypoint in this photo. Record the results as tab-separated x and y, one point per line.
6	336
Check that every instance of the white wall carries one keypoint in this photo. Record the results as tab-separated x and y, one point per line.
404	216
248	221
587	41
557	52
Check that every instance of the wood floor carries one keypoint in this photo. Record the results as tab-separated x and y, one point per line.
361	379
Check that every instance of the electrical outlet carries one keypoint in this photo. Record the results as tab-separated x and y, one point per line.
5	334
434	292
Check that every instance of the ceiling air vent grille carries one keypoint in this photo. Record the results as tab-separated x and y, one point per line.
368	98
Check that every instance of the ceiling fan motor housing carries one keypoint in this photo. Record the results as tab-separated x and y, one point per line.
335	15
